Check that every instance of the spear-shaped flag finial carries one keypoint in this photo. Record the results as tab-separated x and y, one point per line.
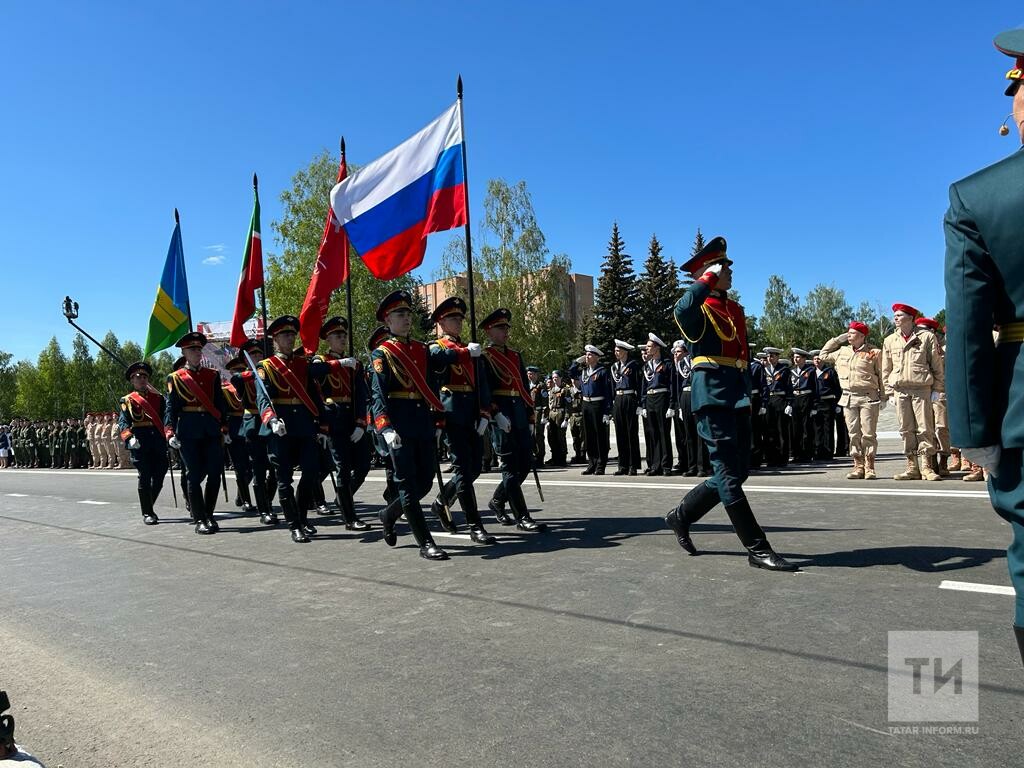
458	86
177	218
343	147
255	182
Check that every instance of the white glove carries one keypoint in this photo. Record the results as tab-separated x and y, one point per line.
606	418
936	396
643	412
174	442
474	349
134	443
714	269
357	434
639	411
503	423
544	421
565	425
227	439
391	438
988	457
814	411
762	411
348	362
839	409
437	433
323	439
670	413
481	426
277	427
789	410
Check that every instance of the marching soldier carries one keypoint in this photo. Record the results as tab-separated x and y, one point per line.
558	420
345	402
195	423
859	367
290	413
141	423
829	392
258	458
805	408
658	406
539	393
914	376
780	408
597	410
466	399
408	415
511	415
626	409
715	327
237	449
983	278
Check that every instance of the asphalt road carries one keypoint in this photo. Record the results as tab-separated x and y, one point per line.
599	643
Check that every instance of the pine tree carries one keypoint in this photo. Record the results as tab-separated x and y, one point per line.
616	299
698	243
659	289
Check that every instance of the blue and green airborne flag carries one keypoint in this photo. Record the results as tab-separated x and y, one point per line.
171	315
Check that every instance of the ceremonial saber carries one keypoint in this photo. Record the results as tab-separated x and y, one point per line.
447	520
259	382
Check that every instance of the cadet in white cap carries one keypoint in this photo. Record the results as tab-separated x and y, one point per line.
658	404
626	382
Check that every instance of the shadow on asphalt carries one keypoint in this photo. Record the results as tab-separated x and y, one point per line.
922	559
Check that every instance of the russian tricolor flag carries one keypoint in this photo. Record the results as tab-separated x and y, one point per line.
390	206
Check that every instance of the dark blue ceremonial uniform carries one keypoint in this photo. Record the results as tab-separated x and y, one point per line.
596	385
150	458
829	391
264	480
626	378
777	429
758	401
693	453
200	433
657	396
237	448
805	397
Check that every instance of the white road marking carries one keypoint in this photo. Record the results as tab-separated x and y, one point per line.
463	536
90	501
970	586
18	495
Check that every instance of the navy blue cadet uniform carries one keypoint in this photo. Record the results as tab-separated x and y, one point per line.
406	412
345	397
657	397
715	328
149	456
466	397
289	395
805	406
758	410
626	380
829	391
596	386
779	399
511	410
199	431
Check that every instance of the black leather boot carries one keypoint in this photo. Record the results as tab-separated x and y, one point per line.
428	549
441	508
148	515
198	514
477	532
267	516
243	493
750	533
388	517
1019	632
698	502
210	502
497	506
523	520
291	514
348	511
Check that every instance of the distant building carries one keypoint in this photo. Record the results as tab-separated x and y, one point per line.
577	295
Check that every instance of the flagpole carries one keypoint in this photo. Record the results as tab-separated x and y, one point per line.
469	242
188	302
348	283
263	295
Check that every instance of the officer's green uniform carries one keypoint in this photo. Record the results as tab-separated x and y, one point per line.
985	286
576	425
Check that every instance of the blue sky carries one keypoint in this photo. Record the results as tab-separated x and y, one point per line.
819	138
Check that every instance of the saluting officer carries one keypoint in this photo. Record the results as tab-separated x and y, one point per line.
717	330
195	423
466	399
658	405
256	445
512	413
626	378
346	399
141	422
780	408
596	384
290	416
408	414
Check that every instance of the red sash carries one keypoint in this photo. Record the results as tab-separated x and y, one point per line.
293	382
198	392
417	375
149	410
467	363
510	368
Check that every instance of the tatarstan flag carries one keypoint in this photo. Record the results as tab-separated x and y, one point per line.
251	278
170	319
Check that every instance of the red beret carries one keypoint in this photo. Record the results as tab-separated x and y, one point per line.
927	322
856	325
905	308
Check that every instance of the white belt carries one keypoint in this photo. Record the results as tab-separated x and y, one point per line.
802	392
625	391
592	399
657	391
687	389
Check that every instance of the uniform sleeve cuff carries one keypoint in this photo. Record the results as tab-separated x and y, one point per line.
710	279
126	434
381	422
266	415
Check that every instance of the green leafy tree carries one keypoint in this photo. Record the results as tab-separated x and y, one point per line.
81	375
30	399
57	401
299	232
110	382
824	314
940	317
617	299
512	268
658	288
8	386
781	312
